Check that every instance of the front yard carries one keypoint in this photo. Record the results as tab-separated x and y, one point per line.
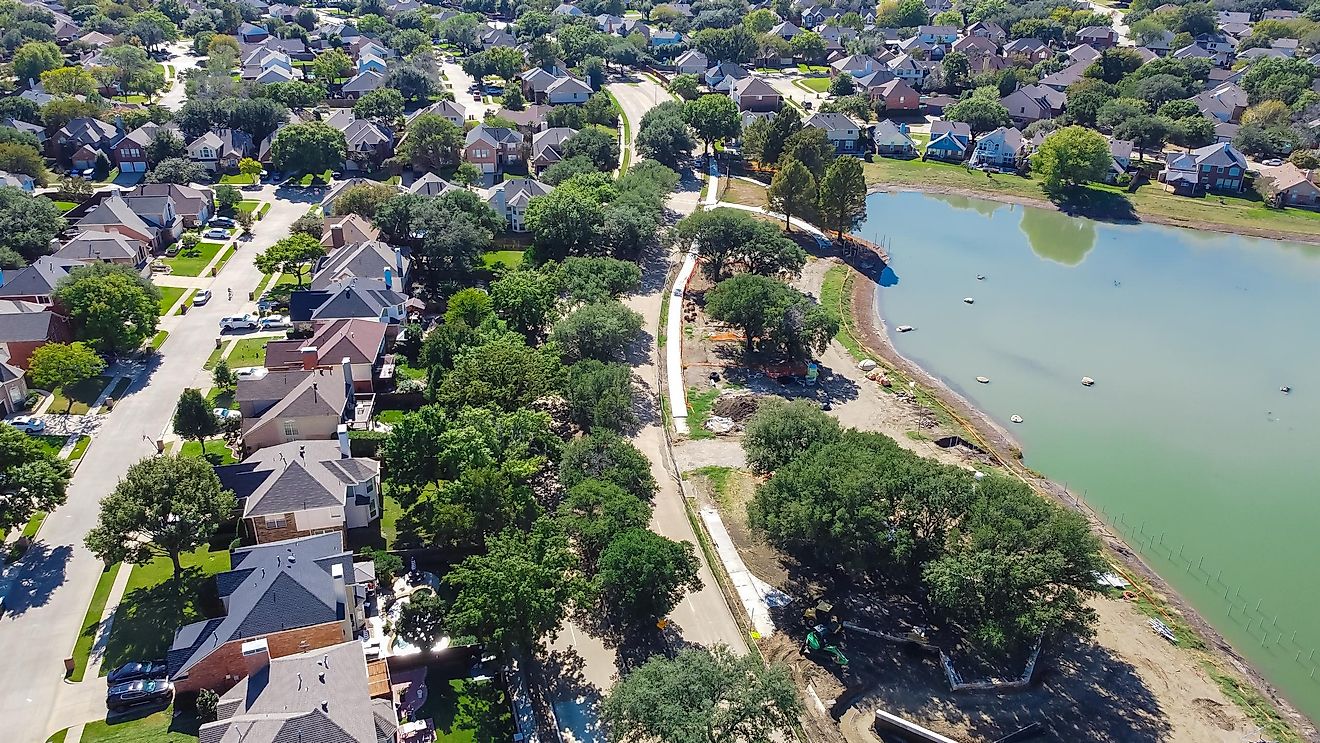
817	84
83	395
248	352
192	261
158	727
168	296
217	451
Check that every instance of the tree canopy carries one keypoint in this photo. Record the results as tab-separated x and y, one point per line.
113	308
785	320
1072	156
32	478
63	365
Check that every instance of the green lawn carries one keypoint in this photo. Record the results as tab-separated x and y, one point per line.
66	205
219	398
159	339
192	261
699	406
807	69
152	608
1101	201
391	417
248	205
510	258
248	352
58	737
91	621
50	442
319	179
33	525
466	710
161	727
216	451
238	179
83	395
224	257
390	512
168	296
80	448
818	84
214	358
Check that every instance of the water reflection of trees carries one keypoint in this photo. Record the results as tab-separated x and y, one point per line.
1058	237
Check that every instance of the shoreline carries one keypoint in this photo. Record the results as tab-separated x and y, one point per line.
1043	203
868	326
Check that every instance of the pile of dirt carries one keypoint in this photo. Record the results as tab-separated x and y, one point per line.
737	405
557	408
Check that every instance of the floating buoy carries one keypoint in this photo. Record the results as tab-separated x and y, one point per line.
1087	381
980	277
905	328
983	380
968	300
1016	419
1285	389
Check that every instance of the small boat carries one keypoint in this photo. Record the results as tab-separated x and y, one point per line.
1285	389
1087	381
983	380
905	328
980	277
1016	419
968	300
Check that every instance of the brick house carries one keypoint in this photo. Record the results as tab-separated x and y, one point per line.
755	94
27	326
294	405
491	148
362	342
1217	167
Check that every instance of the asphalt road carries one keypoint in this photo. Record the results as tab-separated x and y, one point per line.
182	59
48	591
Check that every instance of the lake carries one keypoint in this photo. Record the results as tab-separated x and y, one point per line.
1185	442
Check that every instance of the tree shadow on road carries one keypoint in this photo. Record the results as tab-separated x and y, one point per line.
37	574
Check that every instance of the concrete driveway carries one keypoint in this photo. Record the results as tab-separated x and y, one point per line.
48	591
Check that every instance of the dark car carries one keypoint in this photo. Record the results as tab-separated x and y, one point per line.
134	693
150	669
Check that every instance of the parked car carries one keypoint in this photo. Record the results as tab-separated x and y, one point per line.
216	234
202	296
225	413
1273	162
275	322
138	670
238	322
134	693
221	222
28	424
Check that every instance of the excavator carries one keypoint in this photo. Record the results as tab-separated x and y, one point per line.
824	632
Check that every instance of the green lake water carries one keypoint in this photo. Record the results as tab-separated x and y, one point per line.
1185	442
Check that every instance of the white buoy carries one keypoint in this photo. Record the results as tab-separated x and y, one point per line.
968	300
983	380
1087	381
1016	419
905	328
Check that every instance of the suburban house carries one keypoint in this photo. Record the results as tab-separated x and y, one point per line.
1121	152
279	599
895	95
430	184
252	33
362	342
304	488
1289	185
691	62
13	388
36	281
94	246
976	46
547	147
988	30
755	94
158	226
370	259
344	693
26	326
721	77
81	134
1226	103
346	230
130	152
294	405
909	69
1028	50
842	132
856	65
1213	168
1083	53
368	143
18	180
361	84
1000	148
1067	76
892	140
941	36
949	141
1033	102
511	197
491	148
362	298
566	90
1099	37
193	204
446	110
220	150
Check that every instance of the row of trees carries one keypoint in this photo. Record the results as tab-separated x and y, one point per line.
988	554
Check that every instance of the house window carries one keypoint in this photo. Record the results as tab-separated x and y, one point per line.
275	522
290	428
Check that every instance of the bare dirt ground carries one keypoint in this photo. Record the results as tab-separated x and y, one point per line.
1126	684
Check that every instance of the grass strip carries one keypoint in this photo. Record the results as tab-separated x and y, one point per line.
91	622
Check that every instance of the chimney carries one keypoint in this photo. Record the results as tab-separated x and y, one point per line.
398	263
344	448
256	656
336	236
347	366
308	357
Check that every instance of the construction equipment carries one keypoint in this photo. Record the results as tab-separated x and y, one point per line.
825	632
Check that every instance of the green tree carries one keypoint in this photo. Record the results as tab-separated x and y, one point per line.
34	58
957	69
113	308
32	478
565	222
314	147
27	223
665	136
69	81
808	46
843	85
62	366
178	170
227	198
608	457
363	199
981	114
513	98
504	373
422	620
432	142
713	117
223	376
1145	132
600	330
292	255
597	143
782	430
594	513
193	418
792	192
643	575
584	279
259	117
165	505
165	145
785	320
599	395
686	86
332	65
250	168
516	593
20	158
1072	156
842	195
1114	64
811	147
382	105
525	299
704	695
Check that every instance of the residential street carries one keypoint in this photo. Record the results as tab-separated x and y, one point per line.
48	591
183	59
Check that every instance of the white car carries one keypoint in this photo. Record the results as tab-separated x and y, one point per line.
1273	162
201	297
225	413
238	322
216	234
28	424
275	322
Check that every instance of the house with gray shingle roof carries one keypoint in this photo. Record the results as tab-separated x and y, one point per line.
363	297
291	595
511	197
370	259
95	246
302	488
26	326
36	281
280	406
